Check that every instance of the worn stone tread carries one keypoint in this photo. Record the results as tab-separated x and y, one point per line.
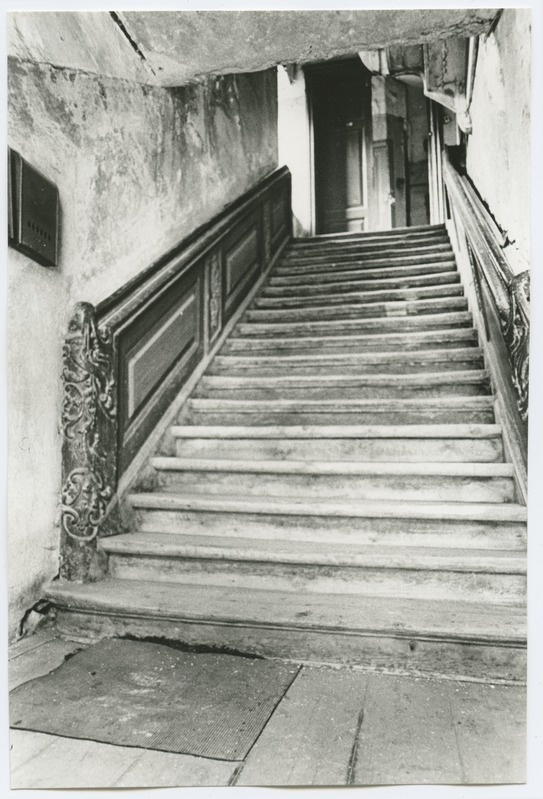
376	323
383	404
415	380
359	283
404	341
453	431
171	463
324	552
328	506
373	259
396	307
401	232
359	615
359	297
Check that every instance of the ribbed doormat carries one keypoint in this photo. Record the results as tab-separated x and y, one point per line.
134	693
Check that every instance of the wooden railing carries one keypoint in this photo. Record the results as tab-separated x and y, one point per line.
510	293
503	305
126	360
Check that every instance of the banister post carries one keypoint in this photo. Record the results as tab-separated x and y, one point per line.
89	430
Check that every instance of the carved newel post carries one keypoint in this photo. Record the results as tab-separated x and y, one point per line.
516	331
89	458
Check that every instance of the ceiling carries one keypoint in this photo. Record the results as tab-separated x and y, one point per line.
172	48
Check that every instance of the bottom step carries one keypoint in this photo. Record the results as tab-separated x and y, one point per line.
461	640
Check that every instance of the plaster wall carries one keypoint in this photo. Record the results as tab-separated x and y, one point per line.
498	150
89	41
138	168
294	143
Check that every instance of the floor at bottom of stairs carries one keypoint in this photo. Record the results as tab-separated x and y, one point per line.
334	726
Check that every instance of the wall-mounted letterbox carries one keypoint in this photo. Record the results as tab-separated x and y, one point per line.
33	204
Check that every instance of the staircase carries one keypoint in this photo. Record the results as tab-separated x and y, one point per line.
336	488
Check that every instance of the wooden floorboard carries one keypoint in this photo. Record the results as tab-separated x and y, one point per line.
334	726
490	726
407	735
310	737
49	655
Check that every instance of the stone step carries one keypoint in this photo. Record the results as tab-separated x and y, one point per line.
357	271
325	567
380	324
449	637
358	310
410	341
315	288
429	482
375	243
438	410
401	234
404	524
409	443
360	297
321	262
345	386
363	363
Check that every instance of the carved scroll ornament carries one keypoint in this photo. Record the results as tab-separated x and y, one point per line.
215	296
88	426
516	332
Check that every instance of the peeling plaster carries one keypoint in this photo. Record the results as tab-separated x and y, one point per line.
136	173
173	48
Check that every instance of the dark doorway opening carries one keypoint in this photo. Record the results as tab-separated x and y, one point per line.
370	148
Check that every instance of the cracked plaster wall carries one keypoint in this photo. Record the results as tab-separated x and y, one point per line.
498	150
138	168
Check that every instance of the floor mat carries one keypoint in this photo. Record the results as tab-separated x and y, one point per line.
135	693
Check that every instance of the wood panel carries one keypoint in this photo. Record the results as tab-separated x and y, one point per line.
157	351
241	262
280	217
152	359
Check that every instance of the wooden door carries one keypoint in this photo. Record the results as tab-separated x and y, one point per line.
341	104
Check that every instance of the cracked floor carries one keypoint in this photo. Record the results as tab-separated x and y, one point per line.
334	726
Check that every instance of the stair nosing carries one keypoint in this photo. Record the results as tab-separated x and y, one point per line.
232	548
380	404
454	432
362	272
411	335
414	379
369	322
312	467
321	506
393	305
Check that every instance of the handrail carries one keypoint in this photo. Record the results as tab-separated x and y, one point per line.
510	293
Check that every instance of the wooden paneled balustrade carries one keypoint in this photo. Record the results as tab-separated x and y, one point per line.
125	360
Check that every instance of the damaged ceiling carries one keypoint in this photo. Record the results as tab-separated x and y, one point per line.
181	46
173	48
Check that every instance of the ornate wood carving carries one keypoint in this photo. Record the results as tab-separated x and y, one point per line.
215	296
512	301
89	414
510	293
516	332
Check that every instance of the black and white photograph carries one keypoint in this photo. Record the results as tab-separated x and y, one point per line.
268	357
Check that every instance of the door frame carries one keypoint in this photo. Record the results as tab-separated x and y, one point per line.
310	71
